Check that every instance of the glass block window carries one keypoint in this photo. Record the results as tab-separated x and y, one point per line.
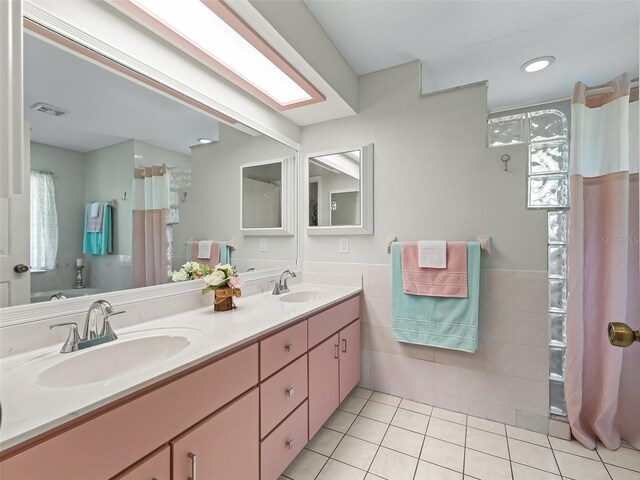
545	134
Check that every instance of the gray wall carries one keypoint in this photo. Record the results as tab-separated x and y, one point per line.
434	178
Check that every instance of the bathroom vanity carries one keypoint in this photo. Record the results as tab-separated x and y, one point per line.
239	402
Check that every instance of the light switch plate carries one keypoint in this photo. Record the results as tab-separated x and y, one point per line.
343	245
264	246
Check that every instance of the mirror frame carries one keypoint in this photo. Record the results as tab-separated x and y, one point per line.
366	195
288	204
39	22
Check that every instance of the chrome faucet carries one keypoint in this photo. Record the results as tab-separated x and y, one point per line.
90	336
281	285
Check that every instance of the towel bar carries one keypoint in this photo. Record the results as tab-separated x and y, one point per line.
485	243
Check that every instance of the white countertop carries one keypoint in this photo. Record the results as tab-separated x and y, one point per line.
29	409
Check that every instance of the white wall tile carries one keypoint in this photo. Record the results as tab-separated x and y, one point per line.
447	379
449	402
501	414
531	421
378	281
559	429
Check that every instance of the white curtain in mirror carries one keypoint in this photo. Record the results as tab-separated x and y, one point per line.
44	222
151	188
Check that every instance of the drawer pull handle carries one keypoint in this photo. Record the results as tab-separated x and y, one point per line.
290	392
290	443
337	351
344	345
193	458
288	346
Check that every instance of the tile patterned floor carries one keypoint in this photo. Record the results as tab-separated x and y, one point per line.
375	436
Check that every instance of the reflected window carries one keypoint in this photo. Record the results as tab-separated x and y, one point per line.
44	221
262	195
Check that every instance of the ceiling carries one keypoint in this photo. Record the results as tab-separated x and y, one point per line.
104	108
462	42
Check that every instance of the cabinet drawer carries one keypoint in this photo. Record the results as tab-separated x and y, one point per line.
278	350
326	323
158	415
156	466
281	394
285	442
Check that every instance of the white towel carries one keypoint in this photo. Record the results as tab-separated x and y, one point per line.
432	254
94	209
204	249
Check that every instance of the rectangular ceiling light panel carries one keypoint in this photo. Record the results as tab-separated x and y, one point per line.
212	33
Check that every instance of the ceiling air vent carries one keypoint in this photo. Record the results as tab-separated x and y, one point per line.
49	109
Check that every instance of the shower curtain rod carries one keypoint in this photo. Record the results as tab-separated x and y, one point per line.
608	89
46	172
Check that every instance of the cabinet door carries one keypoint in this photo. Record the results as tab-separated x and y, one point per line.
349	358
156	466
324	395
224	446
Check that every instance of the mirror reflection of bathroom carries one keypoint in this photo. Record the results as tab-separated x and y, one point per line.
262	195
334	189
92	133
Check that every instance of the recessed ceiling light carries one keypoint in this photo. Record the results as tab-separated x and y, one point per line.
537	64
211	32
205	140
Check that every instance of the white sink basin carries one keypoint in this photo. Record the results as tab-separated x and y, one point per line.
116	359
303	296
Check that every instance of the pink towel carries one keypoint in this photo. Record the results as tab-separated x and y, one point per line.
94	224
213	260
435	282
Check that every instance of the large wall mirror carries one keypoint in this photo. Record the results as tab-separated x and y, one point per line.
340	192
106	152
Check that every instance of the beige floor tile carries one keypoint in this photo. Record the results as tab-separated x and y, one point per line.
442	453
521	472
486	467
352	404
487	442
574	447
447	431
417	407
416	422
429	471
362	392
533	455
378	411
619	473
305	466
385	398
443	414
340	421
393	465
355	452
486	425
527	436
370	430
579	468
325	441
371	476
334	470
403	441
622	457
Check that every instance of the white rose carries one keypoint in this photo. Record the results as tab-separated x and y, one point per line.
215	279
179	276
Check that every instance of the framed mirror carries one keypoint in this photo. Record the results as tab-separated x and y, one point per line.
267	200
339	186
98	137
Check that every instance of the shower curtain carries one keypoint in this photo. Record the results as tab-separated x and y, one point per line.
151	206
601	385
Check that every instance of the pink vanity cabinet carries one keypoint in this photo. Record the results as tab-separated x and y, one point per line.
156	466
334	362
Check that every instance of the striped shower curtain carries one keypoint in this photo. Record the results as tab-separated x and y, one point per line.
150	208
601	387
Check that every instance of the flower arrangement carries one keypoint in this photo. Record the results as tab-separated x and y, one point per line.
221	279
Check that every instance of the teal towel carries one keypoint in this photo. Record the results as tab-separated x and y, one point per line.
98	243
224	253
436	321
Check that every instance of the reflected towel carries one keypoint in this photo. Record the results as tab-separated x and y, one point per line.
94	222
204	249
439	322
432	254
214	253
435	282
98	243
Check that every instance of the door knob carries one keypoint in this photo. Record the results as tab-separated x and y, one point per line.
20	268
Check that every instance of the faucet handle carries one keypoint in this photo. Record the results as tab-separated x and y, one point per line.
107	331
71	344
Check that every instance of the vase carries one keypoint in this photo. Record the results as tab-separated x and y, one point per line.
223	298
